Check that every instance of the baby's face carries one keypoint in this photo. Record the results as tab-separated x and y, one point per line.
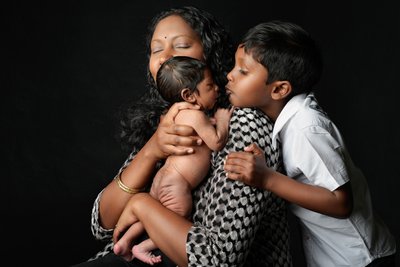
207	93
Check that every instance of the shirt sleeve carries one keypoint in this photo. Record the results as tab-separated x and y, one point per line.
322	158
98	231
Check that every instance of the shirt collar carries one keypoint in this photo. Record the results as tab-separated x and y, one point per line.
288	111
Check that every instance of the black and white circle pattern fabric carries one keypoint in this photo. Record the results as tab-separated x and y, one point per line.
229	215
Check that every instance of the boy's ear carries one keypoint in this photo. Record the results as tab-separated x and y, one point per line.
281	90
188	96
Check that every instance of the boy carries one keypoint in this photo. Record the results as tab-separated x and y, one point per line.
277	65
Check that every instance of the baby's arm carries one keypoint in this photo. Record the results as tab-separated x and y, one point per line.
222	118
215	136
250	167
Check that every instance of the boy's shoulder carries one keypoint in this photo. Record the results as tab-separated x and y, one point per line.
314	105
305	111
312	120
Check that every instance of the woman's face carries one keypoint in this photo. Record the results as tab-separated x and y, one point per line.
173	37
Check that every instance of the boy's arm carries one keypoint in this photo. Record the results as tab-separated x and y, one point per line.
250	168
215	136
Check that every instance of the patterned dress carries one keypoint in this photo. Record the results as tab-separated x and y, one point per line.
228	213
234	224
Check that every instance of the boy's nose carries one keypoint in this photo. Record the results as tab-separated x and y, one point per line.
229	76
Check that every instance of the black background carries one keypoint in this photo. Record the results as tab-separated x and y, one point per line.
71	64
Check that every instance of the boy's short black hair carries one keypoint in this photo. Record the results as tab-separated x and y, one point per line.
287	51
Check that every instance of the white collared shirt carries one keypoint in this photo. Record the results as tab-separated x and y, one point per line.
314	153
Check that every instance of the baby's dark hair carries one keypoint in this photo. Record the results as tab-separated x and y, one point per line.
287	51
178	73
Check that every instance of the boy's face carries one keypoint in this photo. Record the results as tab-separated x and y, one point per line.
247	82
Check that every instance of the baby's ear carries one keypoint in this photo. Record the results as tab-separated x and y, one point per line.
281	90
188	96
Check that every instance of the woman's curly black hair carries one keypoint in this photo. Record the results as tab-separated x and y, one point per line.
140	120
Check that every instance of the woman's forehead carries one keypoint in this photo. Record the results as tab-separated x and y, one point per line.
172	26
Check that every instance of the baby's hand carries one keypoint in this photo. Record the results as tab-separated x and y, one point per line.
223	115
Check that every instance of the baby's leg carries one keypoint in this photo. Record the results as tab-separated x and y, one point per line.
176	195
124	245
173	191
143	250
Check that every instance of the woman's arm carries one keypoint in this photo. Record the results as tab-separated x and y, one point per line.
250	167
225	217
167	140
167	229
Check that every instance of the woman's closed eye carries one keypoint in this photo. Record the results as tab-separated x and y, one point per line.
156	48
182	45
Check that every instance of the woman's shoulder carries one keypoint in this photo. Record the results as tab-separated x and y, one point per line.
252	117
251	113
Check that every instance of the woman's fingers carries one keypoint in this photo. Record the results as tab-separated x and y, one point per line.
176	139
182	130
126	219
117	234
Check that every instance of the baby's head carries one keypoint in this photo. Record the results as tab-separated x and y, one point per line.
184	78
288	53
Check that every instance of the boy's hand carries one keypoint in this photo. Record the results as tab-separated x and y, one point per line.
248	166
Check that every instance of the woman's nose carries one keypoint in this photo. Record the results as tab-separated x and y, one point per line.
162	60
165	56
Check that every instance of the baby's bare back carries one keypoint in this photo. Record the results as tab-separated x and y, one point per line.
194	167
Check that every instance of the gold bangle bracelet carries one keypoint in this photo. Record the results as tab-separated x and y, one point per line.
125	188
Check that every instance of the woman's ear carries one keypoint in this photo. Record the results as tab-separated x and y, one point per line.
281	90
188	96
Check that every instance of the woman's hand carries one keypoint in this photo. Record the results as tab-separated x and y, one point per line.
174	139
167	229
128	228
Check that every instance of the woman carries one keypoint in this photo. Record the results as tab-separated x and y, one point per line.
190	32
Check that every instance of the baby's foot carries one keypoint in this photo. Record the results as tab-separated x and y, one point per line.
122	248
145	256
